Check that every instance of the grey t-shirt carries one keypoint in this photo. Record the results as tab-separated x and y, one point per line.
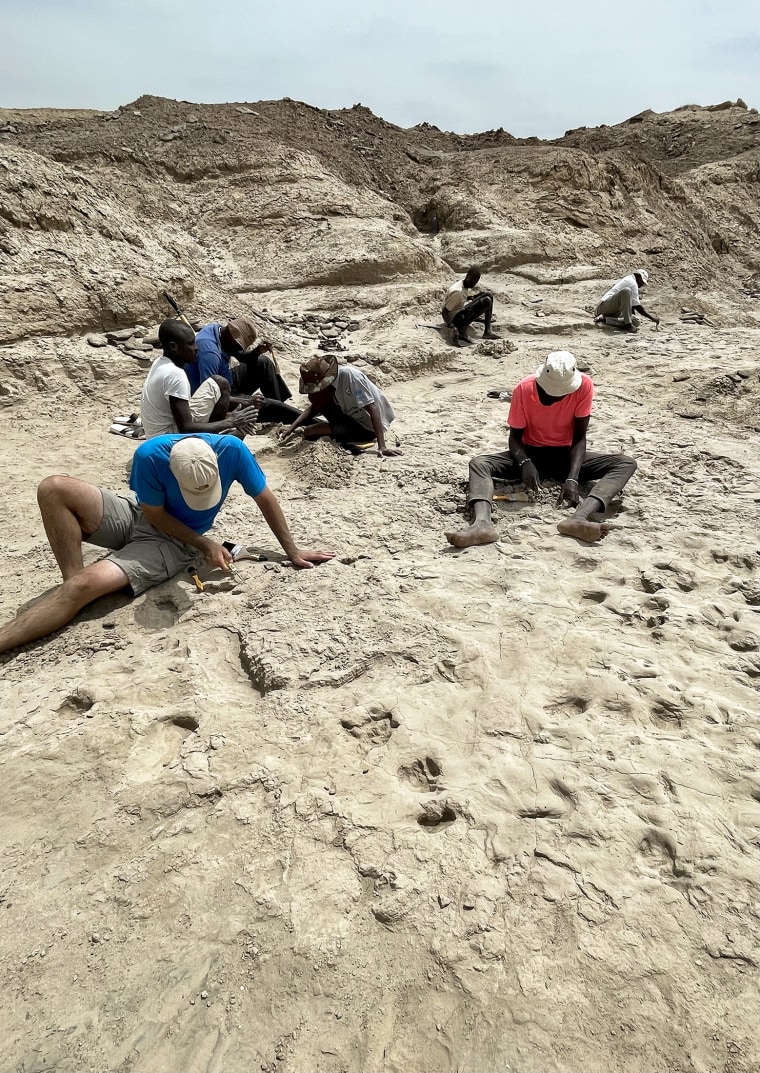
354	391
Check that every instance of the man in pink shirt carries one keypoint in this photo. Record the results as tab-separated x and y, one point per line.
548	419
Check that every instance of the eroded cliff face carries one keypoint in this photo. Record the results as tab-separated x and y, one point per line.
100	212
416	809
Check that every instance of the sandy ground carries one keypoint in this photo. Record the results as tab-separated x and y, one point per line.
417	809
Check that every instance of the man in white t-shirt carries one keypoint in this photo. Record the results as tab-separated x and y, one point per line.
462	306
622	301
167	404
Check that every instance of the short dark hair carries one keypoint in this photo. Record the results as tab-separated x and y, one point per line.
473	271
175	331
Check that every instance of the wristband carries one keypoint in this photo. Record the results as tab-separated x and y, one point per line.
570	480
521	464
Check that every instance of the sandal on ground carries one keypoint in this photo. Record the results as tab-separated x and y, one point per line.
132	432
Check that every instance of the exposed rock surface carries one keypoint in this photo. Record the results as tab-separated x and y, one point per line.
416	809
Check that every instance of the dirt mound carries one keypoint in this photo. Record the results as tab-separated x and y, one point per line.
100	211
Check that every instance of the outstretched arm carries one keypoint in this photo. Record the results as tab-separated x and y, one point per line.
303	558
377	428
302	419
650	316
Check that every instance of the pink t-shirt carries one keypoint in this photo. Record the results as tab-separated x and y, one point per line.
549	426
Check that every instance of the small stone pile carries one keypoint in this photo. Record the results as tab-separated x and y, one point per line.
138	342
328	331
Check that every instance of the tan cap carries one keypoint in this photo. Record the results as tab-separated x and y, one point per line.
243	331
196	469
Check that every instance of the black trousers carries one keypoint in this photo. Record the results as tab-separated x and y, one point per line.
259	373
611	472
480	306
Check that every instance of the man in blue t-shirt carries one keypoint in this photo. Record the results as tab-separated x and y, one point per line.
256	371
179	484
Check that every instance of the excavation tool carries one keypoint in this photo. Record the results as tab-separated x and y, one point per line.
175	306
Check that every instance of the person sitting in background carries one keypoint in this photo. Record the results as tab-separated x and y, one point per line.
354	409
168	405
462	306
622	301
548	418
256	372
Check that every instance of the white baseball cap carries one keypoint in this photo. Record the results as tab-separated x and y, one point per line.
196	469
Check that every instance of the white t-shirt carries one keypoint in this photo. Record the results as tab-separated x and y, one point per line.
627	283
164	381
456	296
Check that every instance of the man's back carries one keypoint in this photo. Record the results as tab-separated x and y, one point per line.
354	390
212	361
627	283
156	486
165	380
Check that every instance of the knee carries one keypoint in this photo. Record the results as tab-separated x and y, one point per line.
479	466
51	490
630	465
84	587
223	384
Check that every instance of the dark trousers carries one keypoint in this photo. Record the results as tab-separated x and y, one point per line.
259	373
344	428
480	306
611	472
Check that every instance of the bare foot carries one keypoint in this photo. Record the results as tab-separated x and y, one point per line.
583	529
477	533
491	335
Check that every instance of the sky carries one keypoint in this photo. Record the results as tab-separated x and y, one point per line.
533	68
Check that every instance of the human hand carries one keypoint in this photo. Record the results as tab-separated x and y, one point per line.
246	415
304	559
529	476
215	554
264	346
569	491
388	452
284	433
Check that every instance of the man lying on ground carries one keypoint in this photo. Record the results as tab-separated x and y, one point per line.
355	409
622	301
548	418
256	372
463	306
179	484
167	404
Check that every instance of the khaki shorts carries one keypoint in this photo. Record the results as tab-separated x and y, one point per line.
146	556
204	400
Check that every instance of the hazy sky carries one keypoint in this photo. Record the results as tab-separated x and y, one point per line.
537	67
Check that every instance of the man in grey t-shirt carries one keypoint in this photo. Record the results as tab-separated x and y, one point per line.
354	409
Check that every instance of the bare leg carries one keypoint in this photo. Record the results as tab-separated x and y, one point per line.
222	407
580	524
482	530
319	428
487	333
58	608
70	510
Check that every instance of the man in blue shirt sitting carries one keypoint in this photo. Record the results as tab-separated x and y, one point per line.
256	372
179	484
